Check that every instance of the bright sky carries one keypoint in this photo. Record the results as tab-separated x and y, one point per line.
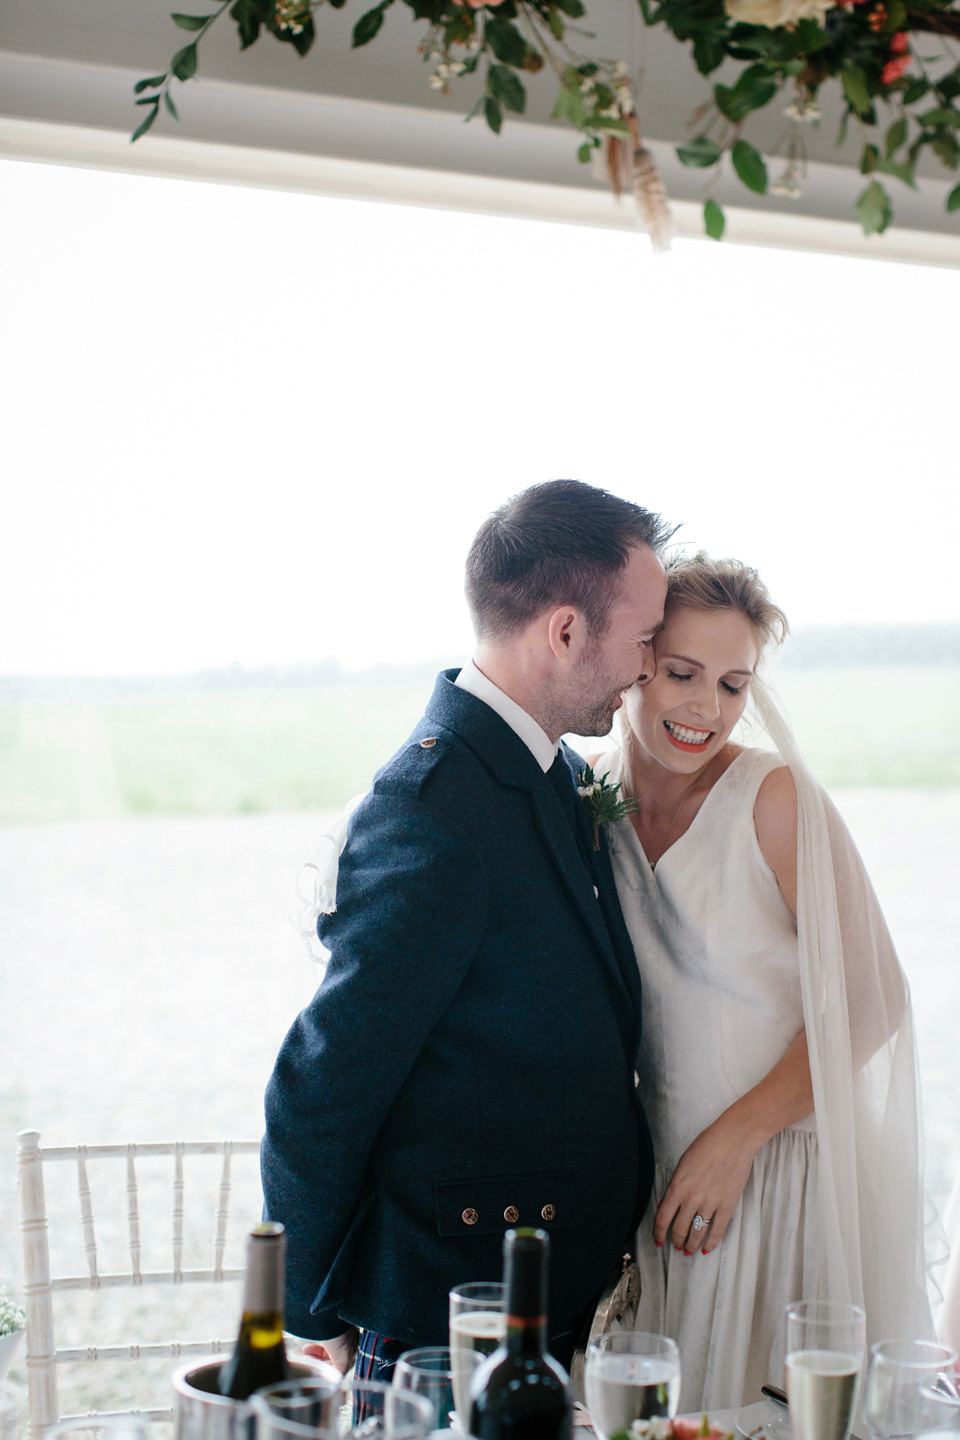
262	428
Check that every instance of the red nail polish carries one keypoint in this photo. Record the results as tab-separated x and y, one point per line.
688	1252
659	1244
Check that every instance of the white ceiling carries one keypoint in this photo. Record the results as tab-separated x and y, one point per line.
73	63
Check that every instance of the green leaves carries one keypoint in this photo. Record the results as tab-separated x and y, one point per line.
247	22
874	210
948	86
192	22
701	152
811	37
749	165
368	24
917	87
574	8
709	49
569	105
896	136
753	90
714	220
943	115
855	88
184	63
149	84
506	87
148	120
506	42
953	200
493	114
171	108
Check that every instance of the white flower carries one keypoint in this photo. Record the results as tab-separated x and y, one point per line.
777	12
656	1428
437	82
585	790
11	1316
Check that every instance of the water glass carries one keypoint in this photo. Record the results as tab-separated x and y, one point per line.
358	1410
940	1414
478	1325
825	1348
428	1372
894	1402
630	1375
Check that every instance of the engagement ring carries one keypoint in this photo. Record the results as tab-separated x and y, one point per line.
699	1223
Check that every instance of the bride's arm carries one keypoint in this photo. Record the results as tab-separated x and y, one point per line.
712	1172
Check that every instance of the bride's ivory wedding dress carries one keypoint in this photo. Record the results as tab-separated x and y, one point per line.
832	1208
721	1004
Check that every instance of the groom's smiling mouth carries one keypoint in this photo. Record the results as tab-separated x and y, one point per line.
693	741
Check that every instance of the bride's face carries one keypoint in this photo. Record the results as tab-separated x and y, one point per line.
705	661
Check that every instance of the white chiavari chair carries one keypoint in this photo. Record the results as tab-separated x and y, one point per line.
40	1286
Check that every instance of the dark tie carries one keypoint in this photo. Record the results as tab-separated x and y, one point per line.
562	782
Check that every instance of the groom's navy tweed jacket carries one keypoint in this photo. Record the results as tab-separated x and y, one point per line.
471	1051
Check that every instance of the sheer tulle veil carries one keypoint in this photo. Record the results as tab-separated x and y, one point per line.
860	1038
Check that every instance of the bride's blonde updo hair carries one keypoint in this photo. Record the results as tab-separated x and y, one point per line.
697	582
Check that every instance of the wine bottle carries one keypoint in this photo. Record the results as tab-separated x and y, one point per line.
520	1392
259	1357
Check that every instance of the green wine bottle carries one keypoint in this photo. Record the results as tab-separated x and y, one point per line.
520	1392
259	1357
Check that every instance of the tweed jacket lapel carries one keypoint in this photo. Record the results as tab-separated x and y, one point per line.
505	754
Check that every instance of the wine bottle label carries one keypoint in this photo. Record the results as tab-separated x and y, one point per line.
526	1322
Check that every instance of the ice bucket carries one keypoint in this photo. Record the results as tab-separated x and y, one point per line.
200	1412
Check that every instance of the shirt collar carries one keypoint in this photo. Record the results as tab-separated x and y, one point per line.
536	739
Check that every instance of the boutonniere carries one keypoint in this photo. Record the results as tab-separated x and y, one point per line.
603	802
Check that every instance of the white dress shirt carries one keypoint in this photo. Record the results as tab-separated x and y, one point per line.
538	742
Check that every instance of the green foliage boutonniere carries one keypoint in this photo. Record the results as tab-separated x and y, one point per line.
603	802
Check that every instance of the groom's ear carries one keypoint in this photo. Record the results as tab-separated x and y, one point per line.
564	631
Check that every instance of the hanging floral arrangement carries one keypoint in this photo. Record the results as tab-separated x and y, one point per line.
903	101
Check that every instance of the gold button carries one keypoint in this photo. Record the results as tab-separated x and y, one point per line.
511	1214
429	743
469	1217
548	1212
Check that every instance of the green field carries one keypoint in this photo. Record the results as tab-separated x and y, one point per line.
86	749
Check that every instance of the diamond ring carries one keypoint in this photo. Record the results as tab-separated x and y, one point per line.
699	1223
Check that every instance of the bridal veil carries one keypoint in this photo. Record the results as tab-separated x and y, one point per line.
860	1040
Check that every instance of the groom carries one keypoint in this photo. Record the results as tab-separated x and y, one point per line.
468	1062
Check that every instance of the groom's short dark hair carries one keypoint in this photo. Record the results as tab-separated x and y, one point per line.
562	542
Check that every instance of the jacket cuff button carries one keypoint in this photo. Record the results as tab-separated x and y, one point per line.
469	1217
511	1214
548	1212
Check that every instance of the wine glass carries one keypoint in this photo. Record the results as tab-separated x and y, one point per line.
307	1401
629	1376
940	1411
428	1372
478	1325
894	1404
825	1348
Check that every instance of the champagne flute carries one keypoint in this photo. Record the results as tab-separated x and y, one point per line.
825	1348
631	1375
478	1326
894	1404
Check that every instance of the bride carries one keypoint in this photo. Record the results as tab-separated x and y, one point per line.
777	1063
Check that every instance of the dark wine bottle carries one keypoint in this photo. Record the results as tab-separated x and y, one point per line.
521	1392
259	1357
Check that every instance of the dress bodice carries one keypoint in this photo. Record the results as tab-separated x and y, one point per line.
717	950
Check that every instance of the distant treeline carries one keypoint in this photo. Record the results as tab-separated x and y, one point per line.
823	647
816	647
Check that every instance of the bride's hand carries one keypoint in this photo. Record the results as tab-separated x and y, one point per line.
708	1181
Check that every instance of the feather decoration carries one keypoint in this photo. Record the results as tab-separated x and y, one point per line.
650	192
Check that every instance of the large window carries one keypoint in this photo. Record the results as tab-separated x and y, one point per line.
248	437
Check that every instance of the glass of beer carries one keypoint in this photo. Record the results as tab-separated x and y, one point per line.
477	1326
825	1349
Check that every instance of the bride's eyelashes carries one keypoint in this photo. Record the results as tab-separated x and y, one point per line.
730	689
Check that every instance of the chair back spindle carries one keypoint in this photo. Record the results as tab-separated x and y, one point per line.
40	1286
